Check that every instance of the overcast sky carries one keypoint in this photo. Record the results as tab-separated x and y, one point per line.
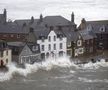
88	9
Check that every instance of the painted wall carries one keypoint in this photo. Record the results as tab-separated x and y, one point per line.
7	57
57	42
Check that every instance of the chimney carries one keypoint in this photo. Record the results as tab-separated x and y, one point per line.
83	24
72	17
41	18
32	19
5	15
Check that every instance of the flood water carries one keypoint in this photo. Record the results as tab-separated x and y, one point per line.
56	75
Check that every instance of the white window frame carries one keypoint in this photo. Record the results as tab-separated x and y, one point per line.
79	43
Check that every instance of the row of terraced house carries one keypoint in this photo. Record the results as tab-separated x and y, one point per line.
31	40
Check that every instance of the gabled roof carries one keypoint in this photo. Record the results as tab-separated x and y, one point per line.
55	21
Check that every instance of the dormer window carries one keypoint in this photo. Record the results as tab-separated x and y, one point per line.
102	29
35	48
61	37
42	39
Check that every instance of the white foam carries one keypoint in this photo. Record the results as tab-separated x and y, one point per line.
48	65
93	80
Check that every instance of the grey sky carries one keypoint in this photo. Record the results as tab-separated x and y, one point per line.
89	9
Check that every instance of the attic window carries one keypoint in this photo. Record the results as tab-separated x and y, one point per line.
61	37
43	39
102	29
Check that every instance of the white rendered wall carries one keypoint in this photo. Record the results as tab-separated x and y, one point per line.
52	42
6	56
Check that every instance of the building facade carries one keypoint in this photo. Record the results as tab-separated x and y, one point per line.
5	54
100	29
30	54
52	45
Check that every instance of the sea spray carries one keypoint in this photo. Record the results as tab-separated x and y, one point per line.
47	65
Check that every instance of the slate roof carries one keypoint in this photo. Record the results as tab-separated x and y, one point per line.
96	25
11	27
48	20
71	35
45	31
55	21
37	50
87	34
1	17
27	22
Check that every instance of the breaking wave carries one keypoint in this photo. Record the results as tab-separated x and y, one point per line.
47	65
93	80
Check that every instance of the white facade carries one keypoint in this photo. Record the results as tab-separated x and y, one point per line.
53	46
5	57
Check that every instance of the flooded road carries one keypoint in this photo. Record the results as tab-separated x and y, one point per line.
56	75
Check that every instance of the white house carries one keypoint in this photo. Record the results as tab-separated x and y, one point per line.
5	54
52	44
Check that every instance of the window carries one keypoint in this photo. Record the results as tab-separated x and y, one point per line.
61	53
1	54
18	36
49	47
69	44
43	47
102	29
61	37
54	46
54	38
6	52
43	39
80	50
79	43
61	45
47	55
35	48
49	38
6	60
